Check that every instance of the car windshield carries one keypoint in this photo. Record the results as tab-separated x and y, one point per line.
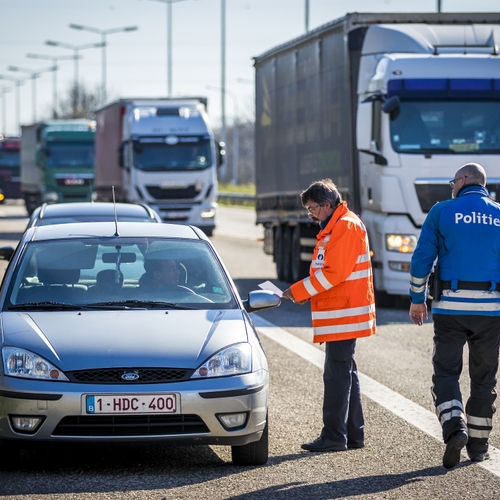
70	154
119	272
446	127
184	155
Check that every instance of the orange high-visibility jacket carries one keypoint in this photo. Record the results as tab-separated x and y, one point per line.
340	284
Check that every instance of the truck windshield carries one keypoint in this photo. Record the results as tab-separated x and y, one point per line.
70	154
446	127
155	157
9	158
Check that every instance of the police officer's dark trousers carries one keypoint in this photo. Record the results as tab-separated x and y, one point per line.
343	420
482	334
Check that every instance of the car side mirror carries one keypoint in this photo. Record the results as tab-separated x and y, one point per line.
6	253
259	300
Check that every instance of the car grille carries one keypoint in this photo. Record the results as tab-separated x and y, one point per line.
145	375
130	425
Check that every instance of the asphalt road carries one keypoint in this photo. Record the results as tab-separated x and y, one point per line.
403	452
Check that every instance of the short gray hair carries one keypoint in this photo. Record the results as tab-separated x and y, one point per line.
321	192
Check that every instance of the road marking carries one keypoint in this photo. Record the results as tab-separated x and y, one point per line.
409	411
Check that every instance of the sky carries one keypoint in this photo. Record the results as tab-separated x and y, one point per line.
137	60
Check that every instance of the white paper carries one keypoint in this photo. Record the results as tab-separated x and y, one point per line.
267	285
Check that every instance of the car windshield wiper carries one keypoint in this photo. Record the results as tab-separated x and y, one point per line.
128	304
46	305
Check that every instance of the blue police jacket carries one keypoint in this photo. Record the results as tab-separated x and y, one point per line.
463	233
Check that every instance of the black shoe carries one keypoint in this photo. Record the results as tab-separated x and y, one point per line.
451	457
479	457
323	444
354	445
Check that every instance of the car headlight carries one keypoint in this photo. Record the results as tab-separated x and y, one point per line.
402	243
19	362
233	360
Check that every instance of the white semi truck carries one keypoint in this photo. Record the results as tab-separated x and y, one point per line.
161	152
389	106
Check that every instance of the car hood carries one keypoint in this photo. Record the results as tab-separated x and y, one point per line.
76	340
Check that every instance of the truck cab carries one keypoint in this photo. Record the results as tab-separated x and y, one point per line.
428	102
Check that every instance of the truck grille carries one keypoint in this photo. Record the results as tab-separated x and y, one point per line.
129	425
187	193
114	376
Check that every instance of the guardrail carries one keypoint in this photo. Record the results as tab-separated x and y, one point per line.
243	199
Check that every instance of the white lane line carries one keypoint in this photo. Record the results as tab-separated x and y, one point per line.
409	411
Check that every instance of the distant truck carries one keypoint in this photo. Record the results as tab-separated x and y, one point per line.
10	160
57	162
389	106
161	152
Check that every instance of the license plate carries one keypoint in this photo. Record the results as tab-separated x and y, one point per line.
132	403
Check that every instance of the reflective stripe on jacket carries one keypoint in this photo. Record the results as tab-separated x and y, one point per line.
340	284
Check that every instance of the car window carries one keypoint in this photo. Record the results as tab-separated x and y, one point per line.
93	270
44	221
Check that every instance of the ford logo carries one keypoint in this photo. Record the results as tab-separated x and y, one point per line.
130	376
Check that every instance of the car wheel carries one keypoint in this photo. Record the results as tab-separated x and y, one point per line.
255	453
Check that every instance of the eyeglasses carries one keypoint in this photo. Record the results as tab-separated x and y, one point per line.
453	181
312	209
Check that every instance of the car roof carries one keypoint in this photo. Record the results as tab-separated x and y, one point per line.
94	208
109	229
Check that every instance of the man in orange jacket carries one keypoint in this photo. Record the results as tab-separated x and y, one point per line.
340	288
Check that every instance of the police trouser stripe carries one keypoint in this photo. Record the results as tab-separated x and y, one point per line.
476	433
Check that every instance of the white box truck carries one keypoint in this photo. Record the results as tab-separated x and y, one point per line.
389	106
161	152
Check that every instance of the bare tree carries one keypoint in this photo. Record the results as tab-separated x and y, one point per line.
80	102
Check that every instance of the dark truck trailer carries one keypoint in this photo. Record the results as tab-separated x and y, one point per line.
319	114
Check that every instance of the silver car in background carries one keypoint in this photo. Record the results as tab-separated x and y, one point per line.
95	350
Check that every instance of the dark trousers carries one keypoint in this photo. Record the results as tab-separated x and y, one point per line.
482	334
343	420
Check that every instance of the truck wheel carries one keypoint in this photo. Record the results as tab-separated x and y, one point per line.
278	251
287	253
300	269
255	453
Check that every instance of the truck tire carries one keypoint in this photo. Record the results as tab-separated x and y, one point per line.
300	268
255	453
287	253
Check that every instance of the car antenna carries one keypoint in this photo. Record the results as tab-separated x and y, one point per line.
114	206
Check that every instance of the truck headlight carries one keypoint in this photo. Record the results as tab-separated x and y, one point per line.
50	196
402	243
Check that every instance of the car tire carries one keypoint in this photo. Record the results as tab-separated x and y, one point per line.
255	453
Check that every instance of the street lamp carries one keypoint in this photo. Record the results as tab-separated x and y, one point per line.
4	90
54	60
34	75
223	73
103	34
169	42
236	135
77	49
18	82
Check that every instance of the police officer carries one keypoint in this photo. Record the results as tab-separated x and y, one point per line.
464	234
340	288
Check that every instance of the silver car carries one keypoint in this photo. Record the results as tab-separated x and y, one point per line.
129	332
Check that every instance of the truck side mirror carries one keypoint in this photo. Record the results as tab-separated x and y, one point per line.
121	152
221	153
391	107
364	126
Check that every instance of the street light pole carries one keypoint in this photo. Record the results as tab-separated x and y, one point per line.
54	60
439	5
4	90
169	42
18	82
307	16
223	75
34	75
103	34
236	133
76	49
